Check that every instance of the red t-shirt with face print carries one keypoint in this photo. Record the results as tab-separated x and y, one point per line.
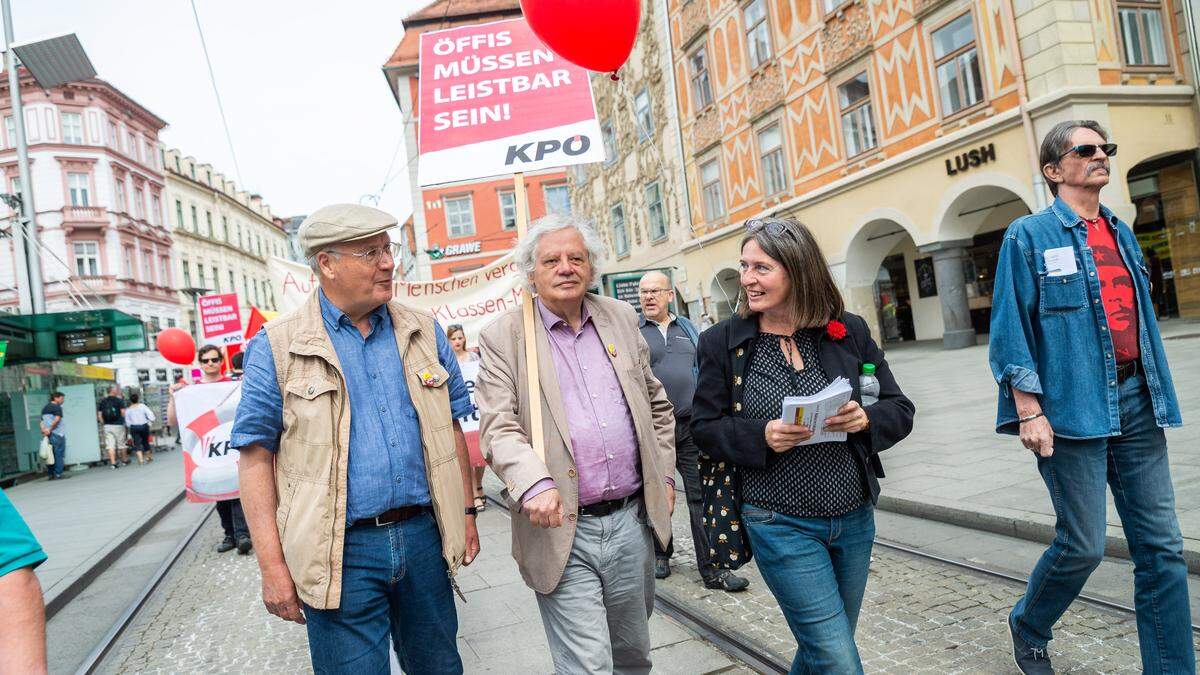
1116	290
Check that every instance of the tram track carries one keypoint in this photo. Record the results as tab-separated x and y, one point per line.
734	643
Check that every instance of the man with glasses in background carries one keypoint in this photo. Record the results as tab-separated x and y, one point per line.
354	468
672	340
233	520
1084	381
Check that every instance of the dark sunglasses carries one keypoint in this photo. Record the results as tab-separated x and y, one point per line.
772	226
216	360
1088	150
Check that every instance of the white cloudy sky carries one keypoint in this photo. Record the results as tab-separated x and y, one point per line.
312	118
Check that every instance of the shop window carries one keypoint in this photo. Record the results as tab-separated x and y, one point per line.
710	182
87	258
701	88
770	152
72	128
610	143
758	32
1142	33
508	209
619	233
858	124
77	186
558	198
460	216
641	113
654	212
957	63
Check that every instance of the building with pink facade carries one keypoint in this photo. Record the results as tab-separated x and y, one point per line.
98	185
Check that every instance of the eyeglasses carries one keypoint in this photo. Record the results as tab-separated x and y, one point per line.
371	256
653	291
1088	150
216	360
773	226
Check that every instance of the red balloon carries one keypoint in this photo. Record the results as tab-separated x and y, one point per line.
177	346
595	34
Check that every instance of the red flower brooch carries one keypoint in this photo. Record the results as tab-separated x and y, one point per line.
835	330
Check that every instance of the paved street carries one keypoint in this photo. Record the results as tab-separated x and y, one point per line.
955	465
918	616
80	519
208	617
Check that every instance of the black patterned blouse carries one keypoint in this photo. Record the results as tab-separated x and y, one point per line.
810	481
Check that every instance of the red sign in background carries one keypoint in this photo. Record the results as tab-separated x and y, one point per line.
219	315
489	81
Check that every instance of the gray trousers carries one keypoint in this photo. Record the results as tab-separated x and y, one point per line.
597	619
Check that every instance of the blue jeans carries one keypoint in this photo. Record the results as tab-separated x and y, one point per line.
394	585
58	444
817	570
1135	467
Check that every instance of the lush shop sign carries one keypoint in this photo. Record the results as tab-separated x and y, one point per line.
970	159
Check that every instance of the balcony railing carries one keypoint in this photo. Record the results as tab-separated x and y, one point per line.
84	214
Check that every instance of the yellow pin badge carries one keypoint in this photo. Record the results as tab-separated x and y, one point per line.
430	379
612	350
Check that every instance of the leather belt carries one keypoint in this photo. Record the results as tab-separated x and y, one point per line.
393	515
608	506
1127	370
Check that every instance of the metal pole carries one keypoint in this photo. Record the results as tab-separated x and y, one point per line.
37	293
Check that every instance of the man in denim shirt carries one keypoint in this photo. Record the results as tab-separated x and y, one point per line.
1085	383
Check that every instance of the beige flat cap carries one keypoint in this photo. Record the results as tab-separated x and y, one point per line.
341	222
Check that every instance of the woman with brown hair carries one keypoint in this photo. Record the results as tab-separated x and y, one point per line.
807	510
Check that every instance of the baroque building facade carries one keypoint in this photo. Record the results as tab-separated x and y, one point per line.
223	238
635	195
97	179
904	134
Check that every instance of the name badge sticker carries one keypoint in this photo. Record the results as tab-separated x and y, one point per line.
1060	261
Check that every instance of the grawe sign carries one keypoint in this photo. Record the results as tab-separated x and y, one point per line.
494	100
220	319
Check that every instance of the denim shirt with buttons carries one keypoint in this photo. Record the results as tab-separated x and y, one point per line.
1049	333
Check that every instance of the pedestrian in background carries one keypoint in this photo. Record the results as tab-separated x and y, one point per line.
111	413
53	429
233	520
809	511
584	517
672	341
138	417
354	467
1084	381
458	340
23	628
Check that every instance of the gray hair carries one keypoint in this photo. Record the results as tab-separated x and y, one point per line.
1059	140
525	254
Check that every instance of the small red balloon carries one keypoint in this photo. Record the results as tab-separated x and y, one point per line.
177	346
595	34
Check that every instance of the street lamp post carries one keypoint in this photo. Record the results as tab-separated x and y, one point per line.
27	222
194	293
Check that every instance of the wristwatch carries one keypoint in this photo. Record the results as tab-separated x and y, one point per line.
471	511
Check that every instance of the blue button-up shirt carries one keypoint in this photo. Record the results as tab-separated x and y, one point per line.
1050	336
386	465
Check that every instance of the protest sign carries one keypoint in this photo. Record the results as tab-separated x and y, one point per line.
220	319
470	423
210	466
494	100
472	299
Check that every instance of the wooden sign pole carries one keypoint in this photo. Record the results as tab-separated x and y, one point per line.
532	382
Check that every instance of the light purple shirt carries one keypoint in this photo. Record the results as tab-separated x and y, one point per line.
603	438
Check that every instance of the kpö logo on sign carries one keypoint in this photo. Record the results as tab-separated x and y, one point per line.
573	146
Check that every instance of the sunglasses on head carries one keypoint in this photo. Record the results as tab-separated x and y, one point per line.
772	226
1088	150
214	360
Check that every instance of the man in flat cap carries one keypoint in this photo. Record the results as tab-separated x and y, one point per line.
354	471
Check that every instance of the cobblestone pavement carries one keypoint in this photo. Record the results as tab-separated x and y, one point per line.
918	616
207	617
